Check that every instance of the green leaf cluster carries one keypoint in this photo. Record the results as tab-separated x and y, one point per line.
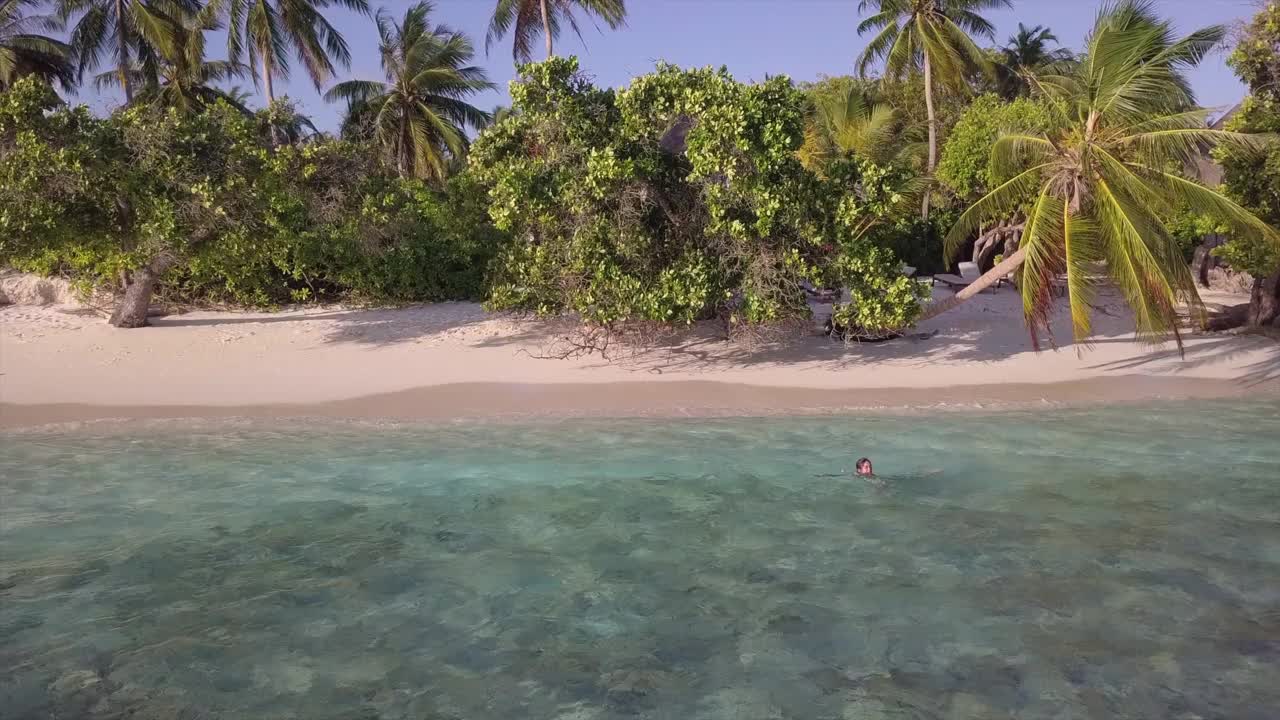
965	167
1252	176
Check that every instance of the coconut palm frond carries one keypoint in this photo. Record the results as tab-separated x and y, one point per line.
24	51
132	33
1040	238
270	34
1006	200
1106	175
1011	152
908	29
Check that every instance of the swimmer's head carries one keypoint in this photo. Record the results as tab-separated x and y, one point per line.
863	466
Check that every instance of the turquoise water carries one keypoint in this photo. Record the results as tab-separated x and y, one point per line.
1066	564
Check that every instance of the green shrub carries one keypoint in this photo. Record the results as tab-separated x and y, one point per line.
235	221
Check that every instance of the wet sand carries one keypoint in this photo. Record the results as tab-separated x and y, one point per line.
657	399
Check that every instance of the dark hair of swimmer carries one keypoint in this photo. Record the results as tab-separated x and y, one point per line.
863	466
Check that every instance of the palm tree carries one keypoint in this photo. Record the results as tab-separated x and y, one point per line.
281	122
239	95
182	78
1093	190
527	18
500	113
930	35
266	30
849	121
1028	50
419	114
23	51
133	32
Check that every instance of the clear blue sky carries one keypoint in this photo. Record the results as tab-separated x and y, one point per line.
754	38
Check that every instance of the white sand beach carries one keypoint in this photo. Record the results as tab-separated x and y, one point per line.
63	363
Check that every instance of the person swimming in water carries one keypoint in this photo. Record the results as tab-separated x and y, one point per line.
862	469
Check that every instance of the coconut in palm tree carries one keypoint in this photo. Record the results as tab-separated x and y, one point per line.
526	19
25	50
932	36
419	114
1094	188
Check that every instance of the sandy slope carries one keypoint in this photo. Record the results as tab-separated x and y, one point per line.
230	363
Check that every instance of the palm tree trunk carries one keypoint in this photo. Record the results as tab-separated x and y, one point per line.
406	159
546	28
268	85
1264	301
269	88
132	310
991	277
933	129
122	52
124	83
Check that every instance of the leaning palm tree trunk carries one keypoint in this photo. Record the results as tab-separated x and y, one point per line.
991	277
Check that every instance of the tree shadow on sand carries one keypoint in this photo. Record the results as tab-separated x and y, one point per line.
256	319
988	334
404	325
988	331
1202	352
375	327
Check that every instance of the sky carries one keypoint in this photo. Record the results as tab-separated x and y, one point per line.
804	39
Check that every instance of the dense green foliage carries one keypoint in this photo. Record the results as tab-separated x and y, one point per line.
680	198
1253	178
227	218
846	118
1189	229
685	196
965	167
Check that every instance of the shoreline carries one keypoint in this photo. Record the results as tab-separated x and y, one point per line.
456	361
655	399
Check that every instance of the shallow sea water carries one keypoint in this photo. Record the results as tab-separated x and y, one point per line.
1107	563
